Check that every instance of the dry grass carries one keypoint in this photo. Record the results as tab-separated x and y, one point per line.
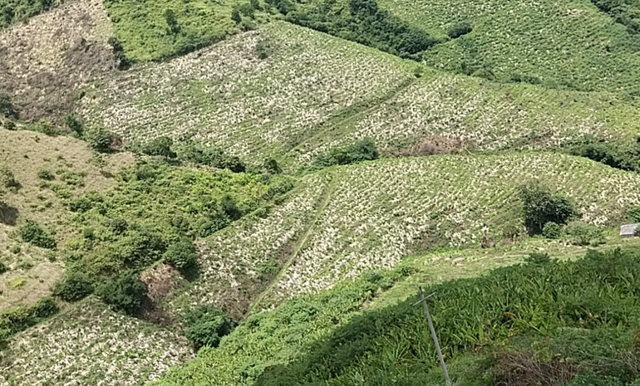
24	153
44	60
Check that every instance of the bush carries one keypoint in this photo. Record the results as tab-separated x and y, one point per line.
118	52
76	127
8	179
20	318
124	293
118	226
206	324
584	234
32	233
540	206
46	174
182	255
551	230
3	268
633	214
102	140
459	29
9	125
363	150
75	286
44	308
7	109
271	166
212	157
160	147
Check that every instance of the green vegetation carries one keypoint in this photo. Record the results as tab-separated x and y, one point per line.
18	319
364	150
546	313
124	292
182	255
363	22
7	109
206	324
73	287
153	30
31	232
15	11
541	207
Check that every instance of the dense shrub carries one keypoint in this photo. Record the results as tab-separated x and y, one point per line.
540	206
118	225
9	125
206	324
140	246
363	150
182	255
73	287
633	214
13	11
625	157
459	29
363	22
7	109
124	292
46	174
20	318
118	52
160	146
213	157
75	125
551	230
584	234
32	233
102	140
3	268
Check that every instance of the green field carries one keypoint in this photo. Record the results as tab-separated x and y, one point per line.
565	44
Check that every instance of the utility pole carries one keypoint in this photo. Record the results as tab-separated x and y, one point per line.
423	300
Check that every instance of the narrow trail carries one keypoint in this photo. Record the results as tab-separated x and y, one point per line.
336	121
324	201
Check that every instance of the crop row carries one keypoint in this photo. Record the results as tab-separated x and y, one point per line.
382	211
92	345
227	96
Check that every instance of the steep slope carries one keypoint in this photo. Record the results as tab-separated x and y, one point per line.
341	222
44	62
91	344
74	169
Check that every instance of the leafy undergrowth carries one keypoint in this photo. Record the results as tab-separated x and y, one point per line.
383	210
146	32
15	11
568	44
46	172
577	319
91	344
155	206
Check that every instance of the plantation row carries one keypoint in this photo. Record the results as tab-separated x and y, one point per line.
228	97
384	210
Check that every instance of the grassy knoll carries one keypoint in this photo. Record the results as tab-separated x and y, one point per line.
551	314
73	170
91	344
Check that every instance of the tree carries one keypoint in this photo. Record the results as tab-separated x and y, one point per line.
271	166
160	147
118	52
75	286
182	255
206	324
7	109
540	206
235	15
172	21
102	140
125	292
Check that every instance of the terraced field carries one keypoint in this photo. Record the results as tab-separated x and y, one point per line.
341	222
91	345
564	44
227	96
442	112
44	61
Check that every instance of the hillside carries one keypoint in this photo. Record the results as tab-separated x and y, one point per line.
248	192
74	170
341	222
